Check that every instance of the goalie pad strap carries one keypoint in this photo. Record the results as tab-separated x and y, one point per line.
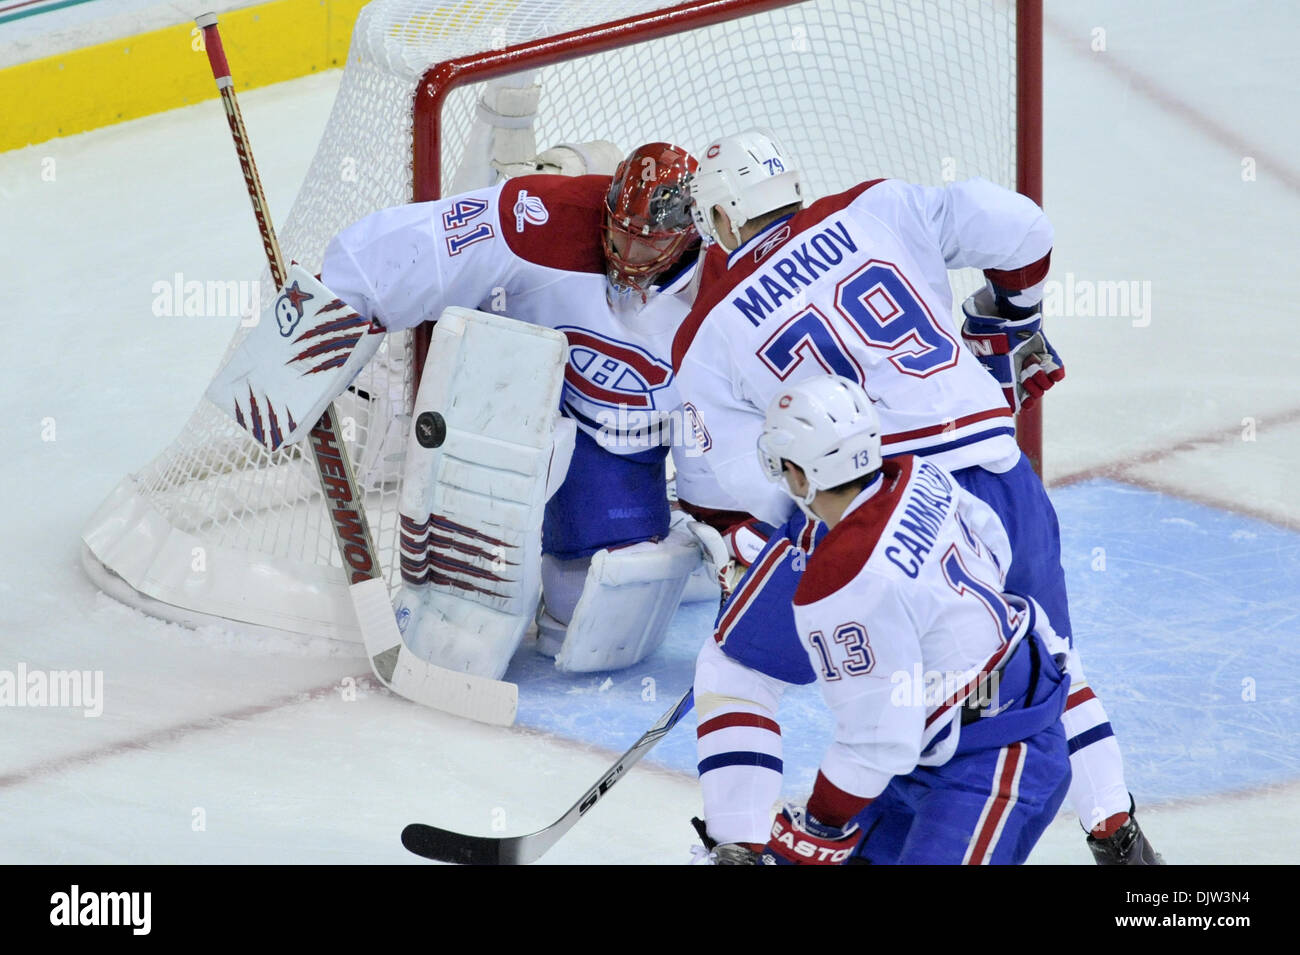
504	120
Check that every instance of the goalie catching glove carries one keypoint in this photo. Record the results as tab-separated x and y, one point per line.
502	141
1014	350
302	354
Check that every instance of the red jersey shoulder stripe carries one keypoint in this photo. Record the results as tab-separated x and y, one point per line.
845	550
571	237
717	281
1013	280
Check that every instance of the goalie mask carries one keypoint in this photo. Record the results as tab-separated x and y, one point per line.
648	219
827	426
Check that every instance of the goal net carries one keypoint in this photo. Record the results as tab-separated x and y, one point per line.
218	530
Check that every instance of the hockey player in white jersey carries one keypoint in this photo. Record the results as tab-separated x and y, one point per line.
608	262
856	284
946	691
601	269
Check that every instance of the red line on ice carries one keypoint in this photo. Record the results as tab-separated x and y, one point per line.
1170	102
1123	469
25	3
170	734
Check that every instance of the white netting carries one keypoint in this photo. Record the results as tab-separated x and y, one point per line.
855	89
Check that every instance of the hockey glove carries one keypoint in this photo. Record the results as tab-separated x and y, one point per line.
799	839
1014	351
713	549
745	541
727	556
726	853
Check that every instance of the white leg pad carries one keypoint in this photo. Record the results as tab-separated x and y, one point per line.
627	603
478	460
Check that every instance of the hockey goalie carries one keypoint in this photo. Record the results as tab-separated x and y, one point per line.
535	482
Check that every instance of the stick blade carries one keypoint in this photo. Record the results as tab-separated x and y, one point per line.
477	698
459	849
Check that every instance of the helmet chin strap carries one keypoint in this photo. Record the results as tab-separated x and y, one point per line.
805	502
808	511
732	228
735	235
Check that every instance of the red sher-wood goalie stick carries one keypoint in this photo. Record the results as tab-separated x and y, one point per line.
474	697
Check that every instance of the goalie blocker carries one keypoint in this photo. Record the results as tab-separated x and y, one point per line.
302	354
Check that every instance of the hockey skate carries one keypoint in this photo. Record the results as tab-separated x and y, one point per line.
1127	845
715	853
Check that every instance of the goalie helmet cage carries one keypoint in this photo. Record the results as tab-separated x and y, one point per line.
217	530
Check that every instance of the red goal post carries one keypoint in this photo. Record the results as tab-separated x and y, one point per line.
1029	167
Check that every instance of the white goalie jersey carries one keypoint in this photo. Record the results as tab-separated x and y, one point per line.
529	248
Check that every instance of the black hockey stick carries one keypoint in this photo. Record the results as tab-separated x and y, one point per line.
446	846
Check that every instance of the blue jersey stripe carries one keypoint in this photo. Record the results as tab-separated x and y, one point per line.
1088	737
740	758
951	445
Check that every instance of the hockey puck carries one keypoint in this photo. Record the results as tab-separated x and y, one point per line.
430	429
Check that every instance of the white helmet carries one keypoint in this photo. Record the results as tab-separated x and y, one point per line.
827	426
749	175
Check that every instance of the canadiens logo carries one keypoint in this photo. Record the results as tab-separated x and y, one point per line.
529	209
612	373
713	151
771	242
288	308
785	401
